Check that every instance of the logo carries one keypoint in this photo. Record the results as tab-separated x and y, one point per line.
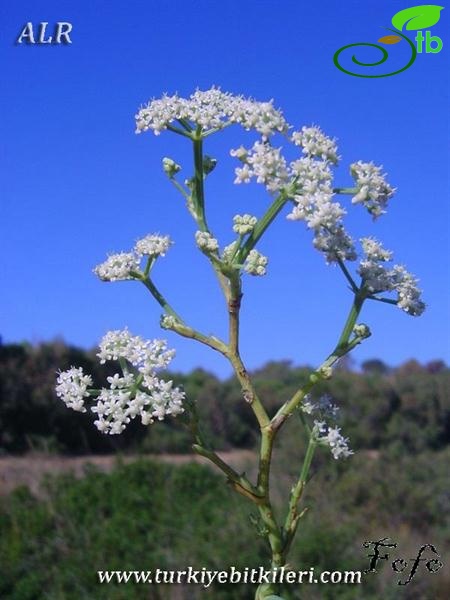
61	34
416	18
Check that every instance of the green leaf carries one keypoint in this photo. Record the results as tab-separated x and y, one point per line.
417	17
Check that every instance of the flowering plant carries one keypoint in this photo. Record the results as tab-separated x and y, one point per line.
306	186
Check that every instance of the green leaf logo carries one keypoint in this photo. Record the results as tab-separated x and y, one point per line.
417	17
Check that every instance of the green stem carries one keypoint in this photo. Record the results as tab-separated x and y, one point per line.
160	298
261	226
274	534
343	346
239	482
234	305
199	194
293	517
351	321
248	390
386	300
180	327
346	191
347	275
178	130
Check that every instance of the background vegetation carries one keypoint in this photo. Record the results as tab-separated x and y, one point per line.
145	515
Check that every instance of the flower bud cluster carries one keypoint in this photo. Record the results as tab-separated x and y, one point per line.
206	242
361	330
137	392
255	263
121	266
244	224
170	167
168	321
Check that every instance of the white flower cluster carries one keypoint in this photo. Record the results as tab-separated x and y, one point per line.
322	432
211	109
314	204
312	179
373	189
138	392
243	224
324	406
315	143
153	245
119	267
255	263
264	163
374	251
72	387
377	278
332	437
206	242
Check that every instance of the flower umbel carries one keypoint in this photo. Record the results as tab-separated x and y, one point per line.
211	110
72	388
331	436
126	265
118	267
135	392
377	278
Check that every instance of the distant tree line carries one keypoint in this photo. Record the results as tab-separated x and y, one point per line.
406	407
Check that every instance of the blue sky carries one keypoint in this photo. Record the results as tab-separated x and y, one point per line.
78	183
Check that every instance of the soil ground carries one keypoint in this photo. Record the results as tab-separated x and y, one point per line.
29	470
